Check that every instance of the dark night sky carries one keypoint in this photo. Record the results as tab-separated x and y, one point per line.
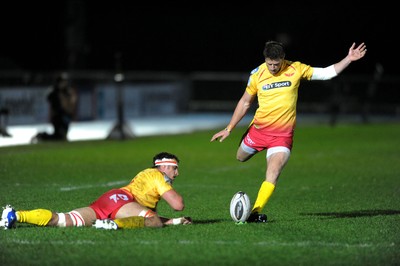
216	37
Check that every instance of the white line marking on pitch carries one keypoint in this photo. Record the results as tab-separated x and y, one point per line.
108	184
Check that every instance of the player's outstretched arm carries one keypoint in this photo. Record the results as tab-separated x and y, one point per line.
355	53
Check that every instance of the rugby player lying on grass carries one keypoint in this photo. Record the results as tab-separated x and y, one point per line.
131	206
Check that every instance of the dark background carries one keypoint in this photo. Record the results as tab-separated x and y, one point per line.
88	35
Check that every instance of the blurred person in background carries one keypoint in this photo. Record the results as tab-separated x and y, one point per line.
62	101
131	206
4	112
275	84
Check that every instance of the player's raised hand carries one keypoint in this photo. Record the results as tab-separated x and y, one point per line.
357	53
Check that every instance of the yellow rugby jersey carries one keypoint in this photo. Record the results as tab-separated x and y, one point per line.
147	187
277	96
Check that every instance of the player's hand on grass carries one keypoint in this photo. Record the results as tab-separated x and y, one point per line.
179	220
186	220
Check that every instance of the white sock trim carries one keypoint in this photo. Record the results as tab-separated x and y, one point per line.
61	220
77	219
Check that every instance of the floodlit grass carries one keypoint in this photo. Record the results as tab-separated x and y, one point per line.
337	202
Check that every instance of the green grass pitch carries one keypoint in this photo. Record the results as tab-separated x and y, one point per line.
337	201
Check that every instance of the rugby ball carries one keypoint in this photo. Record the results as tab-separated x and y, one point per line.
240	207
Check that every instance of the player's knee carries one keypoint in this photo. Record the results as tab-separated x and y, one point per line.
242	158
243	155
151	218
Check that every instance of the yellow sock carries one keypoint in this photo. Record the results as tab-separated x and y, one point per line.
39	217
263	196
130	222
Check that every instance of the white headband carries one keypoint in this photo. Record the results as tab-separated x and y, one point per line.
166	161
